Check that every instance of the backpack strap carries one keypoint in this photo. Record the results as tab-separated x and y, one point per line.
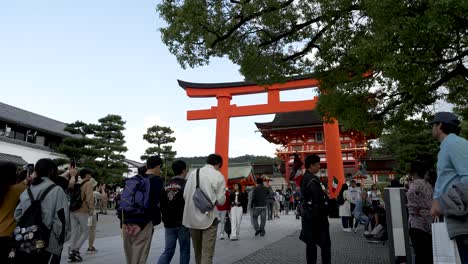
198	178
44	194
31	197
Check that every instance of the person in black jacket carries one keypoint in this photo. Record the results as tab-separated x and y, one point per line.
315	228
259	206
172	211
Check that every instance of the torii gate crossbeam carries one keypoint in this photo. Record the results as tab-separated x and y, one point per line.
223	92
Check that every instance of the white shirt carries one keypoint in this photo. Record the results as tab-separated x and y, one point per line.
213	185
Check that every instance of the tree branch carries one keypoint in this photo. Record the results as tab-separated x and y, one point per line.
309	45
293	30
458	57
244	20
459	70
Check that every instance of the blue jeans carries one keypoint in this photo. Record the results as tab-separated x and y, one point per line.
172	234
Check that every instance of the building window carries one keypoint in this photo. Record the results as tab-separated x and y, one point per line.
40	140
319	136
19	136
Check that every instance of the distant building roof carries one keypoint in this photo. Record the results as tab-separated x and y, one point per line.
31	120
12	158
134	163
235	170
292	120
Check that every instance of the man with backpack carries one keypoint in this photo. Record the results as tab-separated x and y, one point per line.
81	207
42	219
139	211
199	216
172	211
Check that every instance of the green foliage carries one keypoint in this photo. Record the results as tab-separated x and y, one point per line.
379	62
409	142
245	158
161	137
98	147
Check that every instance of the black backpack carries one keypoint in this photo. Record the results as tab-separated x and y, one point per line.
31	235
75	197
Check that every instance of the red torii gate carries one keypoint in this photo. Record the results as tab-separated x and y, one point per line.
225	110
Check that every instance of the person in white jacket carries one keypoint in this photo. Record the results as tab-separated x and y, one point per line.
203	226
345	210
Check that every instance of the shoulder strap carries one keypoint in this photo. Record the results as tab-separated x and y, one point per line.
46	191
44	194
31	197
198	178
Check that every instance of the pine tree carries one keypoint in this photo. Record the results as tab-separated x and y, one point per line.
111	145
161	137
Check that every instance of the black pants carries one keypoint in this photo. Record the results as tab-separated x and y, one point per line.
325	246
5	246
422	245
270	211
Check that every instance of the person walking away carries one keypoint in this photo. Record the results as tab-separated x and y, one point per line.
54	212
92	228
222	212
452	170
287	197
354	193
250	210
259	206
314	212
203	225
104	199
270	202
237	208
345	209
172	211
276	204
419	197
81	207
139	211
10	192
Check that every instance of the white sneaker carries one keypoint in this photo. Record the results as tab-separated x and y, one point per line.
347	230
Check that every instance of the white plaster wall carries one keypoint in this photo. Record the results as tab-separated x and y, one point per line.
30	155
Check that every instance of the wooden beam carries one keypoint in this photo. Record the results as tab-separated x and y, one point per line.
249	110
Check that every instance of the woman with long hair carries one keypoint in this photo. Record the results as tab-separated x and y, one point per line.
54	211
9	198
237	203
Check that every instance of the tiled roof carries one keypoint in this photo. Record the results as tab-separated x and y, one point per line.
293	120
31	120
12	158
134	163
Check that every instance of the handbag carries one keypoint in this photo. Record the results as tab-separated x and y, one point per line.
201	200
227	225
445	251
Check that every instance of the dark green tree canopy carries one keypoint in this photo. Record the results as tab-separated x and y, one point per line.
161	137
99	147
378	61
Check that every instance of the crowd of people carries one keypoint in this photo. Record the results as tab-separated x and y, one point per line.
40	210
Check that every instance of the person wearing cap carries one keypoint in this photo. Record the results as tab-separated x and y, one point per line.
452	168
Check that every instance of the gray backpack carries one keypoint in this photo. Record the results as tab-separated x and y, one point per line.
201	200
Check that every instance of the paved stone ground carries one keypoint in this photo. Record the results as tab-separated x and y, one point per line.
280	245
346	248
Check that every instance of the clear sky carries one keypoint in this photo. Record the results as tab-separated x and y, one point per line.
84	59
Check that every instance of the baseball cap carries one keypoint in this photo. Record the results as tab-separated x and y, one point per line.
445	117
